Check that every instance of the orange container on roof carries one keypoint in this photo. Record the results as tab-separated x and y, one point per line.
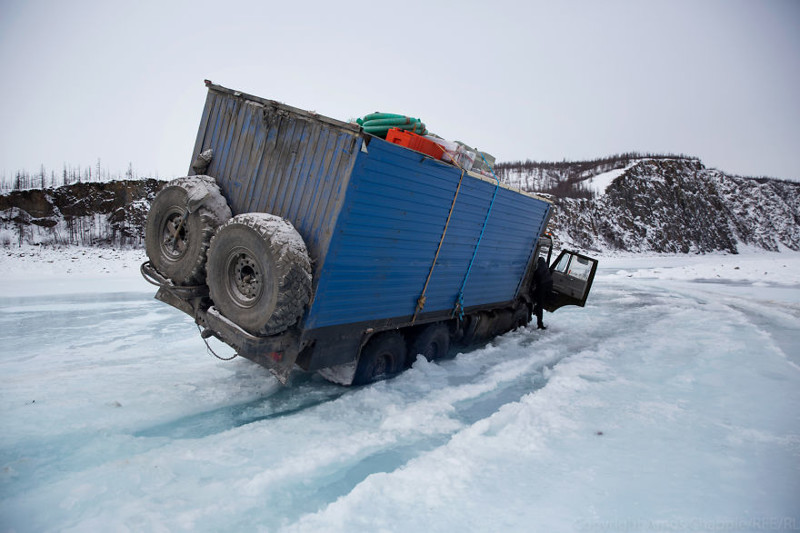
415	142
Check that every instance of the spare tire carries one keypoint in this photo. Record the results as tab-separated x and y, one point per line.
181	221
259	273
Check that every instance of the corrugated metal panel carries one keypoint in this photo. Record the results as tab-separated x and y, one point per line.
272	158
390	226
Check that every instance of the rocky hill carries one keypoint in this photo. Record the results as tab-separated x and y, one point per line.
662	204
629	203
84	214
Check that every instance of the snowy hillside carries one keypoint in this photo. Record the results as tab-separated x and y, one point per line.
572	179
670	403
83	214
668	205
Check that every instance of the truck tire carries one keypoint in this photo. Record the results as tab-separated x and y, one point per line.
259	273
502	322
432	342
522	316
382	357
181	221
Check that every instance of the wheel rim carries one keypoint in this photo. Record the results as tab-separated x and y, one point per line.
245	278
174	236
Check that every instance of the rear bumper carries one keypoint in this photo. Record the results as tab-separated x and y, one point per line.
278	353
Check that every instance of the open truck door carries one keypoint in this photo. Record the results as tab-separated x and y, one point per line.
573	275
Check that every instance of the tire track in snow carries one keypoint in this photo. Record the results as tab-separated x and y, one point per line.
302	394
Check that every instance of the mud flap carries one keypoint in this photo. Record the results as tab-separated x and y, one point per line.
573	275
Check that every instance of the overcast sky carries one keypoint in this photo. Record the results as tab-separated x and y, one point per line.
123	81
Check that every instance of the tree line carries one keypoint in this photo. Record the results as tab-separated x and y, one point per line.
568	179
49	179
591	163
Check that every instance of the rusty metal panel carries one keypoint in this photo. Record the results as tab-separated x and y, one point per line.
273	158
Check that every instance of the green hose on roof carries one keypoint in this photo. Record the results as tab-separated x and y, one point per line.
394	121
379	124
380	116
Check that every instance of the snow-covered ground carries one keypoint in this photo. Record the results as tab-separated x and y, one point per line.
47	271
600	182
670	403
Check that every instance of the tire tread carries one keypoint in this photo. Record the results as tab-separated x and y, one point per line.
292	267
213	213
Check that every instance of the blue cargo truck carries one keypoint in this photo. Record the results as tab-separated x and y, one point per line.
303	241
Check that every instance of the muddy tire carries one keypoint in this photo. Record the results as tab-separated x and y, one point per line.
432	342
259	273
382	357
181	221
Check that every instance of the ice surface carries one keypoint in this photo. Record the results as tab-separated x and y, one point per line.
671	402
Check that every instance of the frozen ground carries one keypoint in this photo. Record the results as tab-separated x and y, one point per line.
671	403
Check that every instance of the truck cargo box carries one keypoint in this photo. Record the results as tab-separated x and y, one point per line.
371	213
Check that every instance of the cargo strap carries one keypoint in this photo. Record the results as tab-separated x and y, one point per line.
421	299
459	307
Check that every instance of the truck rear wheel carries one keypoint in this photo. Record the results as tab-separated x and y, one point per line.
259	273
383	356
181	221
432	342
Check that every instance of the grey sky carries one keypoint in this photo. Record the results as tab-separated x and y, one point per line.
123	81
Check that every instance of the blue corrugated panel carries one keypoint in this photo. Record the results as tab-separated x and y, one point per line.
389	229
275	159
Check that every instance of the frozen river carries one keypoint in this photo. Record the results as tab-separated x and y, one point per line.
671	403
